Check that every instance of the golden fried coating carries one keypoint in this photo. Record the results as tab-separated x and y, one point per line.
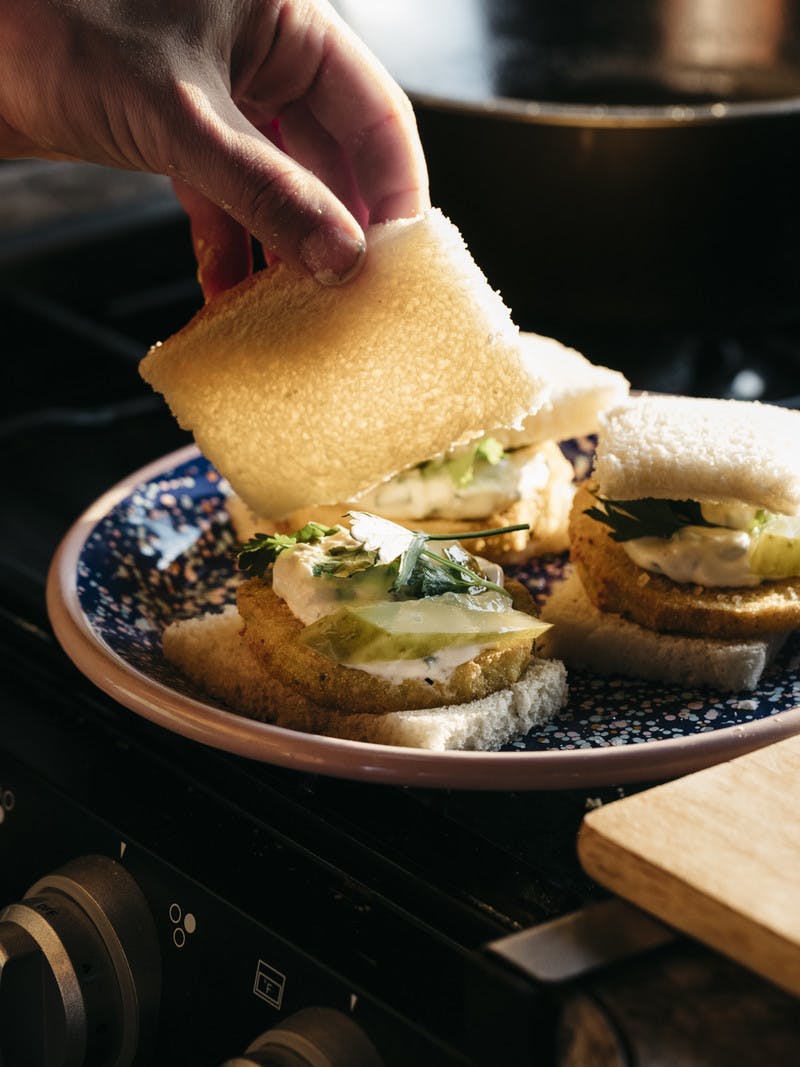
615	583
272	632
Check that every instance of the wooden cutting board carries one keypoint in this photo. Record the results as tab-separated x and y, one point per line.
715	854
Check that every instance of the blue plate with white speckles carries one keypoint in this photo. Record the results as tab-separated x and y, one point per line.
158	547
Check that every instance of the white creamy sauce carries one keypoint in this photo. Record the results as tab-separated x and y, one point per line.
418	494
723	555
438	667
701	555
736	516
310	597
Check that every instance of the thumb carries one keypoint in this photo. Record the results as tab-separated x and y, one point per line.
283	205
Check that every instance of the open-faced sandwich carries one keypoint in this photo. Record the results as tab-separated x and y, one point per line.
375	633
685	544
408	393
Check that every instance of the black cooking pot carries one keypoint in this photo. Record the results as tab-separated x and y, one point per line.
616	161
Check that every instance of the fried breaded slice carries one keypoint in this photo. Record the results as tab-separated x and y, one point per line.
615	583
272	632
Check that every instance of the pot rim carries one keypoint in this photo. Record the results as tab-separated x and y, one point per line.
547	113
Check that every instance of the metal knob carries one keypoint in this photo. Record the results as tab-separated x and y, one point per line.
79	970
313	1037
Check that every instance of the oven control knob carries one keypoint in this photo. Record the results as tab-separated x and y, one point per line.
79	970
313	1037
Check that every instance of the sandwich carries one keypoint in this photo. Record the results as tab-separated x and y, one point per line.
408	393
510	477
685	544
305	397
374	633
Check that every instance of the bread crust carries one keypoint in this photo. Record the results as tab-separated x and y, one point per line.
272	633
700	448
579	392
615	583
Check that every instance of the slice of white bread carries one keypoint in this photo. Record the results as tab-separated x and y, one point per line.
579	391
303	395
583	636
210	651
681	448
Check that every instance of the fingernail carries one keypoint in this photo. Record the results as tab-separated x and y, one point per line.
331	255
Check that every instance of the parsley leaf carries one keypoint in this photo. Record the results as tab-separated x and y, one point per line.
409	561
425	573
262	549
648	517
379	535
456	571
422	572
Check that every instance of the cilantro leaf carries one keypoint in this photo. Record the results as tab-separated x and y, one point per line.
380	543
648	517
422	572
262	549
344	562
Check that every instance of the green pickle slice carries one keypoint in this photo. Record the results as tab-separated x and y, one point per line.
775	547
414	629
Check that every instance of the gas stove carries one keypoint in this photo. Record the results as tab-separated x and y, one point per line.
183	903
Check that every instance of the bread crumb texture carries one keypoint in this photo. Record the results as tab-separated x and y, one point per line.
681	448
303	395
578	392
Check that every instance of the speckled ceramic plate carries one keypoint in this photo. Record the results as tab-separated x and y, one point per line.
157	547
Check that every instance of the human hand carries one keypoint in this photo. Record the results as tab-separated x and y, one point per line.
272	118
